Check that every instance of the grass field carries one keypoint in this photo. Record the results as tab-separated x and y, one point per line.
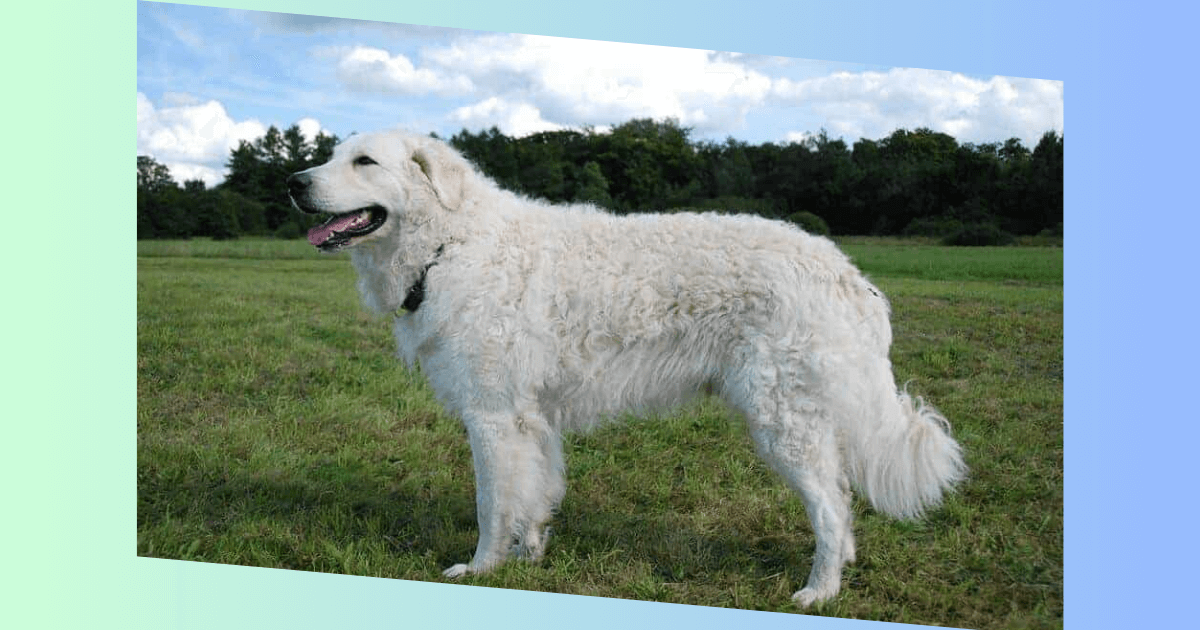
275	429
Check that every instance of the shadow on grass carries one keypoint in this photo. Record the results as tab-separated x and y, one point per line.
675	549
236	514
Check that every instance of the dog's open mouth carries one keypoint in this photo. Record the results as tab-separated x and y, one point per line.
337	230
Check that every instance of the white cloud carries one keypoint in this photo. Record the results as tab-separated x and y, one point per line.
513	119
364	75
369	69
524	83
185	171
193	138
873	104
577	82
533	83
199	132
310	127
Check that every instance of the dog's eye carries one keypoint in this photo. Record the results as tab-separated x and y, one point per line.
363	160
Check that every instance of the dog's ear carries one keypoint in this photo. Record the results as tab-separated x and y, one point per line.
446	173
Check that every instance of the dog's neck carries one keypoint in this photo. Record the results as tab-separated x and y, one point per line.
416	293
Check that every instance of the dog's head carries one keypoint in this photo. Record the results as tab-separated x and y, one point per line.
374	180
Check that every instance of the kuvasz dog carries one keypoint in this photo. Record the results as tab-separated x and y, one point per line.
531	320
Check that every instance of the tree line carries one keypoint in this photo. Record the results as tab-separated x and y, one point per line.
918	182
252	200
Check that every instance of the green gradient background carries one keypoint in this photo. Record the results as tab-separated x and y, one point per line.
69	456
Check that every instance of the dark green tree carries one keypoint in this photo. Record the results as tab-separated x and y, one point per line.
163	209
152	176
918	182
245	166
1046	186
322	148
592	186
258	172
297	152
650	165
493	153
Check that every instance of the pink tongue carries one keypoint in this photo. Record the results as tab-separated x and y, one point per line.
322	232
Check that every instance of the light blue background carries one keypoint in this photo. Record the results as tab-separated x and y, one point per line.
70	286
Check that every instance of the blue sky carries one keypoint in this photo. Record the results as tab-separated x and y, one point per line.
209	77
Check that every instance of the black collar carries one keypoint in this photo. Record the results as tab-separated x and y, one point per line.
416	293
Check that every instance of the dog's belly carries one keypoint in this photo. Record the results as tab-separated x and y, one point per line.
640	379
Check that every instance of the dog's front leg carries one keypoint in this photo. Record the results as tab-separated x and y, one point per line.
519	481
494	473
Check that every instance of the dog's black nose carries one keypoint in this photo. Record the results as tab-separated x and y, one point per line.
298	183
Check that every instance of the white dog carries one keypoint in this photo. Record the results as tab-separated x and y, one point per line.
530	320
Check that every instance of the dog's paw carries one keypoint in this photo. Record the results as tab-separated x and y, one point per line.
456	571
808	596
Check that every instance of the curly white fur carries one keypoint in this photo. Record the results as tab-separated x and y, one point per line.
542	319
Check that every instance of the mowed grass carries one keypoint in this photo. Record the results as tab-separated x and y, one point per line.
276	429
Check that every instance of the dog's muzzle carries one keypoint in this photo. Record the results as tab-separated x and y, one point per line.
336	231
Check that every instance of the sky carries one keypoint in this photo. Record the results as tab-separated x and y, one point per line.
208	78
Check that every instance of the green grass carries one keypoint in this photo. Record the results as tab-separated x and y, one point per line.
1004	265
252	248
276	429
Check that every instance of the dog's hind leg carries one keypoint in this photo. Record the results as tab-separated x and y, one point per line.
803	448
518	482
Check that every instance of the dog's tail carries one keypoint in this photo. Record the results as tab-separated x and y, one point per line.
906	460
